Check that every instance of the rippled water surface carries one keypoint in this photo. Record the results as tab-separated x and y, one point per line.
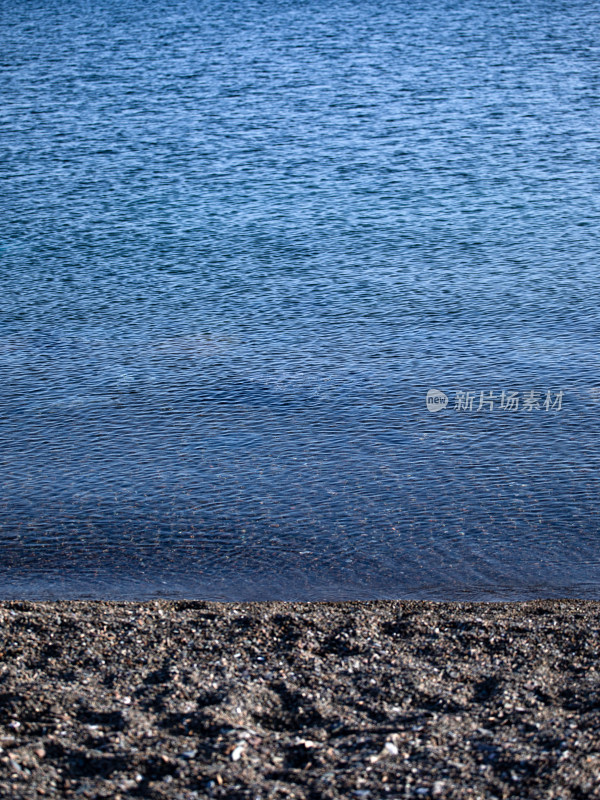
240	241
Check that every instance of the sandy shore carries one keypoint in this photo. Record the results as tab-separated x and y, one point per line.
276	700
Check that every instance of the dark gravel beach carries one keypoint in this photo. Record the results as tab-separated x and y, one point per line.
290	700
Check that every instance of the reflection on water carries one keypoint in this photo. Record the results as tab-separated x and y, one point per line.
239	245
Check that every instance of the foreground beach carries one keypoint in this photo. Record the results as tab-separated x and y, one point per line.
290	700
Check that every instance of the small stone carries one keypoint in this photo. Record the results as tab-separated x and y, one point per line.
40	752
438	788
391	748
189	754
237	752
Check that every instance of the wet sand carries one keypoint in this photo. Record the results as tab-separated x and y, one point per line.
290	700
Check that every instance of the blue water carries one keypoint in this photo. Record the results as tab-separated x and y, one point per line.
240	241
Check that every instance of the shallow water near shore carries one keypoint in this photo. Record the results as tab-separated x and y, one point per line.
239	243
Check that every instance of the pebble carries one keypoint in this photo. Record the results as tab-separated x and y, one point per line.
307	743
236	754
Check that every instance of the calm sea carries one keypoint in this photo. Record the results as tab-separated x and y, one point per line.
240	243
